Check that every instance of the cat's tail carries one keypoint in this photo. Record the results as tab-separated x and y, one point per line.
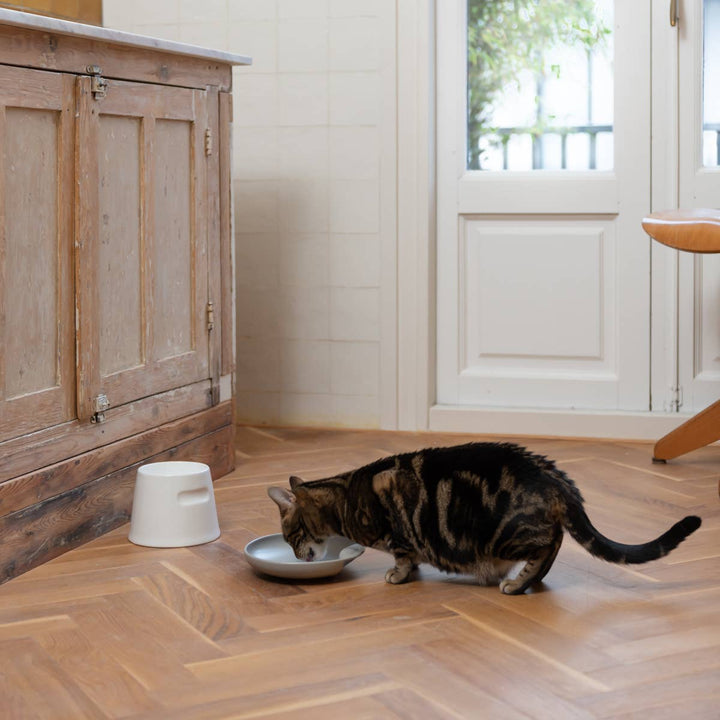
579	526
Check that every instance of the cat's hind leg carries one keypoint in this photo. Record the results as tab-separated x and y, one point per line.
547	564
533	571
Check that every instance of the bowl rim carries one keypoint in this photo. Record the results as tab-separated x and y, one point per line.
317	568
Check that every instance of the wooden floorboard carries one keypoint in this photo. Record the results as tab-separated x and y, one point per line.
113	630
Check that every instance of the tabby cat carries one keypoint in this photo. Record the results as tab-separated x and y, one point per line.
475	509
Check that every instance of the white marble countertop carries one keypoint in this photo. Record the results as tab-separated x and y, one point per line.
117	37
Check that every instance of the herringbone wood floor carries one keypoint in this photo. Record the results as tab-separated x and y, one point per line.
112	630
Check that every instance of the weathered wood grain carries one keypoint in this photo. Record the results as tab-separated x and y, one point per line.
47	51
42	531
46	447
34	487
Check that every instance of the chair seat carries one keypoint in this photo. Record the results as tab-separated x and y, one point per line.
696	230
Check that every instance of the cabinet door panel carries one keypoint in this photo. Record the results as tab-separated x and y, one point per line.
142	239
173	240
120	244
36	318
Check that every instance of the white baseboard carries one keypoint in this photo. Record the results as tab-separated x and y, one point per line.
554	423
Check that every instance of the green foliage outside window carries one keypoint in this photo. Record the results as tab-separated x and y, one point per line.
506	37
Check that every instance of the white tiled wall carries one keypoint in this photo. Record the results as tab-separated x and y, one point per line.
311	121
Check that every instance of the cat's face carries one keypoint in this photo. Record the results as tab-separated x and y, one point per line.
301	521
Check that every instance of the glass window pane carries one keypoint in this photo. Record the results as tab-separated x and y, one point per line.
539	84
711	84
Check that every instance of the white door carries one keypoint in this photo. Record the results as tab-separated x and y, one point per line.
699	187
543	286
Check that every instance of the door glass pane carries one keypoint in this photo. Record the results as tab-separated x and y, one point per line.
539	85
711	84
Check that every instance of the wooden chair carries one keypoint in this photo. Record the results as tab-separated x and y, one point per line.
692	231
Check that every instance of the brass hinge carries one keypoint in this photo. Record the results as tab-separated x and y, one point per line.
100	405
208	142
98	84
210	316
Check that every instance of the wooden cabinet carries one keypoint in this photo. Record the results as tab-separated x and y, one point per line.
115	274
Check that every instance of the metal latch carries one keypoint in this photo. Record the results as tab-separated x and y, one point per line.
210	316
98	84
100	405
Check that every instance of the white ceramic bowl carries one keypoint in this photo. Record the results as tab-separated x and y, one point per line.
272	555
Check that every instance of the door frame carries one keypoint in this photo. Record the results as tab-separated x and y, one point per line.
416	247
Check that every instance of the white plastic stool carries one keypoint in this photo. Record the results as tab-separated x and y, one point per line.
173	505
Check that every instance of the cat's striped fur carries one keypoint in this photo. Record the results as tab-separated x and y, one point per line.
474	509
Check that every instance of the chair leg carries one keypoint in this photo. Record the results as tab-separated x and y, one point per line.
700	430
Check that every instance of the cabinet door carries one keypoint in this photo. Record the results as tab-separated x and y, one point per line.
37	366
142	241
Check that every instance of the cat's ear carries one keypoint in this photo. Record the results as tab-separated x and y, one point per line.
295	481
284	498
302	494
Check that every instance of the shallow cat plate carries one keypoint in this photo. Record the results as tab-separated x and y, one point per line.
272	555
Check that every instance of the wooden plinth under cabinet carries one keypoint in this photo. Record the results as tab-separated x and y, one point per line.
115	274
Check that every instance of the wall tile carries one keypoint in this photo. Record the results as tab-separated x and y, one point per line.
357	411
192	11
119	14
303	8
305	366
259	314
256	205
357	8
355	260
305	260
354	99
255	100
355	314
159	12
316	410
258	408
303	45
302	99
258	364
257	259
354	44
305	313
354	206
303	152
304	206
251	10
256	153
354	153
355	368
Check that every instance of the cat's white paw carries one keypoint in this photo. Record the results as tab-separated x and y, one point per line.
394	576
509	587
